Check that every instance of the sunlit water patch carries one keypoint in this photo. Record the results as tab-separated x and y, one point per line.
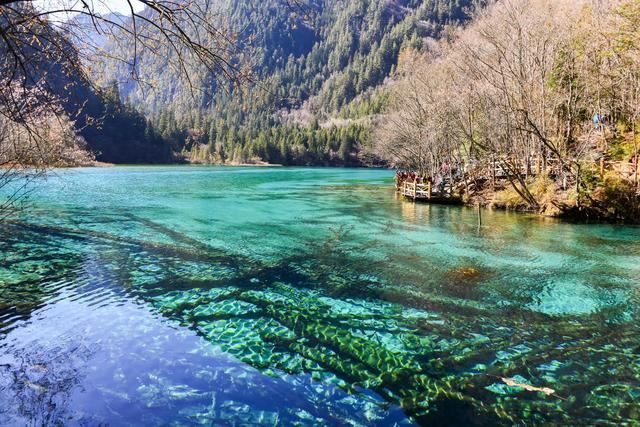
284	296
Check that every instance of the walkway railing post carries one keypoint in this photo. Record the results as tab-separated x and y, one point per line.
493	172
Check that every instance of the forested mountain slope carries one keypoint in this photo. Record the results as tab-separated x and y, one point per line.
114	132
304	68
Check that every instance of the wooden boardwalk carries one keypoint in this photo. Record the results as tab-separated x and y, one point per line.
499	169
625	170
425	192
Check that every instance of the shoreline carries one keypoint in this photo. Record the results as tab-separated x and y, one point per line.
97	164
572	214
557	209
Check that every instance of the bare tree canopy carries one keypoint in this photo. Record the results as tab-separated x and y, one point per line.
534	89
181	31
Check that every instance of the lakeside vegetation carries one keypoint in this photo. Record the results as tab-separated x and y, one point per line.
231	81
303	70
544	94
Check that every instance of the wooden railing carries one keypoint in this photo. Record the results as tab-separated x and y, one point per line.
535	166
626	170
415	190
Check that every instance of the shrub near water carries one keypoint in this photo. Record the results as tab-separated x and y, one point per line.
544	190
619	199
610	199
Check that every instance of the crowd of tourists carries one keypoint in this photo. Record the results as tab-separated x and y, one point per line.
412	177
448	173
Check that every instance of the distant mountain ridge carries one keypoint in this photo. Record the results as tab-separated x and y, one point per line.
318	63
348	47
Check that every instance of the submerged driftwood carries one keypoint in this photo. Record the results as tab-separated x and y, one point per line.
318	313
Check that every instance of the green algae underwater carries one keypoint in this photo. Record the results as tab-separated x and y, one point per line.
190	295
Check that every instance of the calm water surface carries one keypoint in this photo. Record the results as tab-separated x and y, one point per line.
301	296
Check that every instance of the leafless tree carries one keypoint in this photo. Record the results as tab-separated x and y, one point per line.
42	138
517	89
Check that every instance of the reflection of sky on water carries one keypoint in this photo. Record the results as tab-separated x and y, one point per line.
98	357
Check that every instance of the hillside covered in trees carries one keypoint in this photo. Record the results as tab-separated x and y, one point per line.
299	66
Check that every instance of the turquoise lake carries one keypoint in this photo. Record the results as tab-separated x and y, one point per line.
188	295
